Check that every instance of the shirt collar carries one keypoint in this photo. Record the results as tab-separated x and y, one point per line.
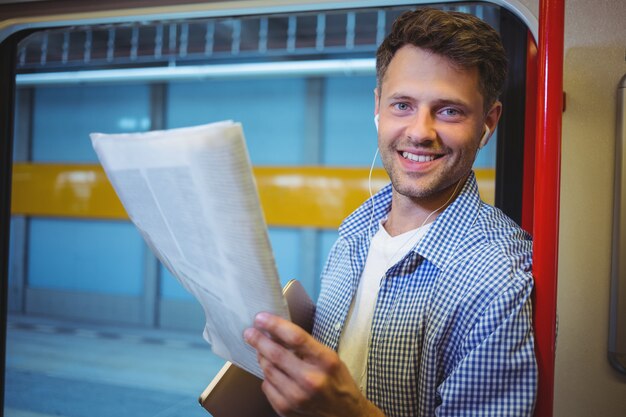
451	226
445	234
361	219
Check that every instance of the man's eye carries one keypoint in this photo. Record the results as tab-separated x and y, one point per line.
401	106
450	112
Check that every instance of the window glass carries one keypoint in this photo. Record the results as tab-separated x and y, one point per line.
63	118
96	256
349	131
272	112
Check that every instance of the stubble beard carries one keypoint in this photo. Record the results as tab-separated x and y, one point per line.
418	188
422	186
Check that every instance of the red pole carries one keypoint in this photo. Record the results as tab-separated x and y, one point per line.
546	201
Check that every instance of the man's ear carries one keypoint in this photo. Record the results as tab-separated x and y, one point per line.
493	115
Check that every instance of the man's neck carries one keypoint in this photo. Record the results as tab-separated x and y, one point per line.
404	217
409	213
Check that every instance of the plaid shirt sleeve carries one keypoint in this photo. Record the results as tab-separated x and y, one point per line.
495	372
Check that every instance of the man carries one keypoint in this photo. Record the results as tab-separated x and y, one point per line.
426	294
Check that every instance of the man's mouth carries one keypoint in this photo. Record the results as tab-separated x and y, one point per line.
419	158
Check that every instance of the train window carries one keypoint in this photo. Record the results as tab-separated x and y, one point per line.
82	284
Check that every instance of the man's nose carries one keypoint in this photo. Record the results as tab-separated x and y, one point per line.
421	128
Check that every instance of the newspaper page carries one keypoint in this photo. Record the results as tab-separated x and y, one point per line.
192	195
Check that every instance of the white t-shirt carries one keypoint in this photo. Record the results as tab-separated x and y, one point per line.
384	252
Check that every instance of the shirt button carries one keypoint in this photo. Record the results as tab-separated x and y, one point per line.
337	326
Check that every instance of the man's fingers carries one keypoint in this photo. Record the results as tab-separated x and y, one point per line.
277	399
288	334
287	393
283	385
270	350
294	352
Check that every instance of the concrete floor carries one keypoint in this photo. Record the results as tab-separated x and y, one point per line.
60	368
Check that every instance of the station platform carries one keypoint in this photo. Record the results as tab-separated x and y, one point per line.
70	369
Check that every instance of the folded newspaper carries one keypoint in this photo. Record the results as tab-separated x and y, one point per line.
192	195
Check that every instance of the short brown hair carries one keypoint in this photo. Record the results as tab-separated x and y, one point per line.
464	39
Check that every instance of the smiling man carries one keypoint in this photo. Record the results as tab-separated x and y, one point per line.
425	305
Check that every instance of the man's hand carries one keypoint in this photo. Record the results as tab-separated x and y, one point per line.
302	376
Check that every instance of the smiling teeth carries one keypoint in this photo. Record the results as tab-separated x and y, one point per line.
418	158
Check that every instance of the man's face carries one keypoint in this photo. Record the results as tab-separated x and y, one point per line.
431	122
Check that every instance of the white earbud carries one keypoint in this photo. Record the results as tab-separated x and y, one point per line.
485	138
376	121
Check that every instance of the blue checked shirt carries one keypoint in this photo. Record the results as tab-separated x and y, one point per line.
452	331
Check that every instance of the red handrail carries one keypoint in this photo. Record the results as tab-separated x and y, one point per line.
546	204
